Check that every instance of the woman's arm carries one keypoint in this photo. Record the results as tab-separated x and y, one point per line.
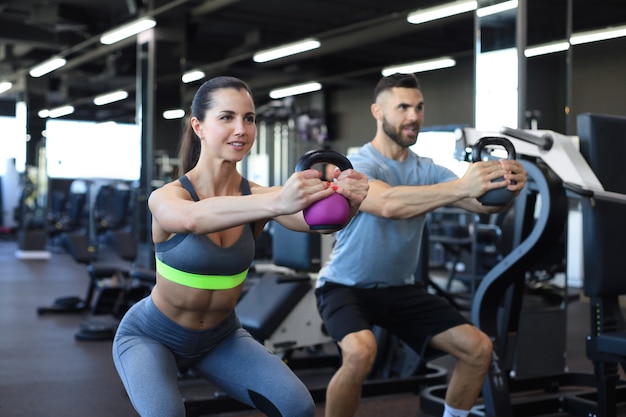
175	212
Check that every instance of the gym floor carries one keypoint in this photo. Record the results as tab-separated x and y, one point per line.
45	372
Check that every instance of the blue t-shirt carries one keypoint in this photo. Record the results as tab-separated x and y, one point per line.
375	252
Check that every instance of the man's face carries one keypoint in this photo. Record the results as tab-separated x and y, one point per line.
403	115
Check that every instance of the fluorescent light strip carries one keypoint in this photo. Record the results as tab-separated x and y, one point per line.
60	111
496	8
47	66
420	66
110	97
546	48
173	114
126	31
439	12
192	76
295	90
598	35
5	86
286	50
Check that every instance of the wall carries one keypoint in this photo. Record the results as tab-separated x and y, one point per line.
598	86
545	90
599	78
448	95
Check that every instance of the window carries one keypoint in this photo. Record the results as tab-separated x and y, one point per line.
76	149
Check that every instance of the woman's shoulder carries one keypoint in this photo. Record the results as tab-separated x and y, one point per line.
260	189
171	189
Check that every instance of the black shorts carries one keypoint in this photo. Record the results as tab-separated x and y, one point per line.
410	312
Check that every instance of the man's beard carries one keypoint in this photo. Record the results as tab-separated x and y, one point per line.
396	135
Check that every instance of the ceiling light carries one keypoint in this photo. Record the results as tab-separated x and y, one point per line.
439	12
5	86
192	76
286	50
127	30
173	114
420	66
47	66
496	8
43	113
294	90
546	48
110	97
597	35
60	111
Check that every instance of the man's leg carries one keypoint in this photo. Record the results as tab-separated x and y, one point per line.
343	393
472	350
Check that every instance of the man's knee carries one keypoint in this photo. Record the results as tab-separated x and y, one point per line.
467	343
358	352
480	349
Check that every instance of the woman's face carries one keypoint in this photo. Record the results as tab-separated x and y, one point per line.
229	127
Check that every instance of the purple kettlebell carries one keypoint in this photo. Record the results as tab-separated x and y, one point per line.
332	212
498	196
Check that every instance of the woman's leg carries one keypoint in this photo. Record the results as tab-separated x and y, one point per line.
149	374
249	373
146	367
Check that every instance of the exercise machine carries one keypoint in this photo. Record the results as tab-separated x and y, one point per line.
114	285
557	170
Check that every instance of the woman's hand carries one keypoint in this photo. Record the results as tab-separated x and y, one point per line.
353	185
301	190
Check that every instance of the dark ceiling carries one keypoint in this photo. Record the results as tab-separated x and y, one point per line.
358	38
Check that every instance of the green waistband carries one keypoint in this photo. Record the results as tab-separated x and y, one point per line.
204	282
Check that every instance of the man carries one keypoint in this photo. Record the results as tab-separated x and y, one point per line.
369	277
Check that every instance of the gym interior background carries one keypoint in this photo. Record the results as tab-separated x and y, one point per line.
54	193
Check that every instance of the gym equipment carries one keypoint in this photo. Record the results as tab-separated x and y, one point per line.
499	196
555	167
290	321
332	212
604	230
67	213
115	293
112	288
76	244
112	209
467	246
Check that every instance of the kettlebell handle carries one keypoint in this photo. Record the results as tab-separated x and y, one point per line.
482	143
323	156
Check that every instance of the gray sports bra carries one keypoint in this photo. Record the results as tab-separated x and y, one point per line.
196	261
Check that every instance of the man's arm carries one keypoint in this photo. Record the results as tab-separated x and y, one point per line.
406	201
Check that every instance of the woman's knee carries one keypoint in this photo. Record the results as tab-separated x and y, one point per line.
158	408
299	404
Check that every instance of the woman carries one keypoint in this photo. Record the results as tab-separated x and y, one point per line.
204	225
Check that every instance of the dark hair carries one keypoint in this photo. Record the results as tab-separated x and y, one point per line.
396	80
189	151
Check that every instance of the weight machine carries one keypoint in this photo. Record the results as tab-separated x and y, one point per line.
557	170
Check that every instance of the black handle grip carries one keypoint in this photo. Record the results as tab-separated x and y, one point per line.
323	156
482	143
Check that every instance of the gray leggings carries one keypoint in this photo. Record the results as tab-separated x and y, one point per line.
149	348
